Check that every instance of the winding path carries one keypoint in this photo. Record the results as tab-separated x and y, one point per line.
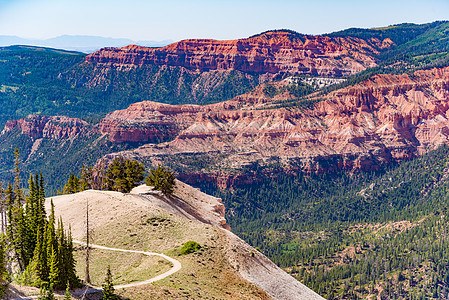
176	267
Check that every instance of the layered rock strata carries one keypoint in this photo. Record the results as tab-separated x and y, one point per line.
268	53
52	127
385	118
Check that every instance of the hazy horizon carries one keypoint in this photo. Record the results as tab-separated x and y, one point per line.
174	20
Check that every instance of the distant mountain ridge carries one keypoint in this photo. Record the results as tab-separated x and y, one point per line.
273	52
81	43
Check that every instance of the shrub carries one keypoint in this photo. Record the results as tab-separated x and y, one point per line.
190	247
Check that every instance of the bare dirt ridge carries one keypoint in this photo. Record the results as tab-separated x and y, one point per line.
188	215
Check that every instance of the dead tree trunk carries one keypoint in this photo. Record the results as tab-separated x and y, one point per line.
87	279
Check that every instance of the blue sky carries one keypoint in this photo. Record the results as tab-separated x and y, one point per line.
175	19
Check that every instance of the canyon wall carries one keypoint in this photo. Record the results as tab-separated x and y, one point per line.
51	127
271	52
383	119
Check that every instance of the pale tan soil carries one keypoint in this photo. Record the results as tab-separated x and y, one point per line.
225	268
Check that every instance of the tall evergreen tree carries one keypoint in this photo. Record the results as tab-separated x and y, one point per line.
108	286
42	252
3	271
54	271
50	235
69	262
3	209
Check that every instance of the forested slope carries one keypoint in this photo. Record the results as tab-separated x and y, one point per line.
346	236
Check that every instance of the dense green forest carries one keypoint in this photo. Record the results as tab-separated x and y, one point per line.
350	236
417	47
166	84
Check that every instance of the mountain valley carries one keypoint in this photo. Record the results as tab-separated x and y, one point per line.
329	152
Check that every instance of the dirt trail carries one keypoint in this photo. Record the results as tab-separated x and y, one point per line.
176	267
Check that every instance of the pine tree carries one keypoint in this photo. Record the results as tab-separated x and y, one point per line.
50	234
31	207
16	230
70	262
38	267
54	271
41	188
123	174
3	209
61	252
108	286
17	187
51	245
162	179
67	295
3	271
86	180
72	186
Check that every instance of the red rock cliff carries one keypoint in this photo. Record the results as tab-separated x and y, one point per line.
387	117
56	127
270	52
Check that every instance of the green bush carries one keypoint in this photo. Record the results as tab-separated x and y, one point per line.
190	247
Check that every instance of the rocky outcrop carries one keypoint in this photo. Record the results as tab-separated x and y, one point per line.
147	122
268	53
385	118
55	127
156	122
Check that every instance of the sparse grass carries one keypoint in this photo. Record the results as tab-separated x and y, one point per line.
125	267
160	232
205	274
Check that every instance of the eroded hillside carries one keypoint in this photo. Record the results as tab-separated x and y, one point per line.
225	268
383	119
